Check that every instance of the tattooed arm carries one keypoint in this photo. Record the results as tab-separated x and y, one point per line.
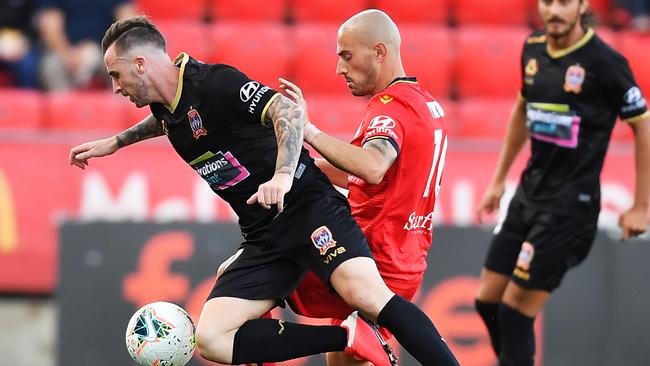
370	162
288	119
145	129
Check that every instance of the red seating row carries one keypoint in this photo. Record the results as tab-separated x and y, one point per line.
473	118
514	12
473	61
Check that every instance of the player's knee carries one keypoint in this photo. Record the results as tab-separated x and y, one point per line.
368	296
210	344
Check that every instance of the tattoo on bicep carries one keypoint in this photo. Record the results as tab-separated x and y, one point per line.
385	148
146	129
288	119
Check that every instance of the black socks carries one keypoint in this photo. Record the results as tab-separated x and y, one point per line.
517	338
489	312
415	332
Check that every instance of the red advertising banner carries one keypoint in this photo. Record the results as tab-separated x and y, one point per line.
149	182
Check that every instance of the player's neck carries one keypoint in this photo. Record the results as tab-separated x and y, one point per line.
555	44
385	80
167	84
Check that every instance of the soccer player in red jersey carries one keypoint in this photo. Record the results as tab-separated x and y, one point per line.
392	167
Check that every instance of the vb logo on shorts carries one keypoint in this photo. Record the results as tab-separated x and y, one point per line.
322	239
523	261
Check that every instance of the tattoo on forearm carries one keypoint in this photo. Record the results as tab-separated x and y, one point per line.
288	119
146	129
386	149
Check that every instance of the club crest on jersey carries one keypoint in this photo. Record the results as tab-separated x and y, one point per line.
323	239
386	99
196	123
575	76
531	69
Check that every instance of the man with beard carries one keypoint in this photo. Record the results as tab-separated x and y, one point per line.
245	140
574	87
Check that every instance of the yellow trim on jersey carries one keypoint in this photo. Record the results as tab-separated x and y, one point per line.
182	58
266	107
566	51
538	39
551	107
382	137
637	118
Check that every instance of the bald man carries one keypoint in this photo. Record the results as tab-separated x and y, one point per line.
392	167
245	140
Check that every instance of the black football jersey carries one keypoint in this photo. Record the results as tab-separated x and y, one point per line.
216	124
573	98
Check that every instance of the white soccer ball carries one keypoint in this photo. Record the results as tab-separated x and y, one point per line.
160	334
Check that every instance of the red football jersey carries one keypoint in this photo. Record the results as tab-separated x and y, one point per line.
396	214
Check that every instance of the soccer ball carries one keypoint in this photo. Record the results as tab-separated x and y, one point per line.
160	334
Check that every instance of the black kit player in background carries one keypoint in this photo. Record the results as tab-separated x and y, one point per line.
245	140
574	87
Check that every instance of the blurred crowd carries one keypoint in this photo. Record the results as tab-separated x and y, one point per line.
53	45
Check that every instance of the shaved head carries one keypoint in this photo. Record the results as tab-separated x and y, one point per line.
372	26
368	48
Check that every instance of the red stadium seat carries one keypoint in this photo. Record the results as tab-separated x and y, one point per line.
339	116
336	11
483	118
488	62
635	46
172	9
415	11
185	36
314	60
260	50
481	12
257	10
98	111
426	54
20	110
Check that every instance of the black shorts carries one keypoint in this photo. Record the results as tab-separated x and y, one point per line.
315	232
537	248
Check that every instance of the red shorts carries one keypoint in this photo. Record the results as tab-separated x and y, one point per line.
314	299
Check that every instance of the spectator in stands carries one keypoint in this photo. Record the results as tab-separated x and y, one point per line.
640	10
18	56
71	31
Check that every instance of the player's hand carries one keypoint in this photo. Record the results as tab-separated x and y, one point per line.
272	192
633	222
490	201
294	92
79	155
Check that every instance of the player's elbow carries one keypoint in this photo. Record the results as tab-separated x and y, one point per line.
373	175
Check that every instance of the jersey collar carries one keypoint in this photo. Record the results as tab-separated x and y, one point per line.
563	52
180	61
404	79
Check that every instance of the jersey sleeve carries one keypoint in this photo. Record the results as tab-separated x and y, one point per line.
231	88
623	90
385	118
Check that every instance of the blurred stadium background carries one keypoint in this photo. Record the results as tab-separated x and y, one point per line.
81	250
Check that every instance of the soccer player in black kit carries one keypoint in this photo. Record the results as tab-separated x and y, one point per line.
245	140
573	88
